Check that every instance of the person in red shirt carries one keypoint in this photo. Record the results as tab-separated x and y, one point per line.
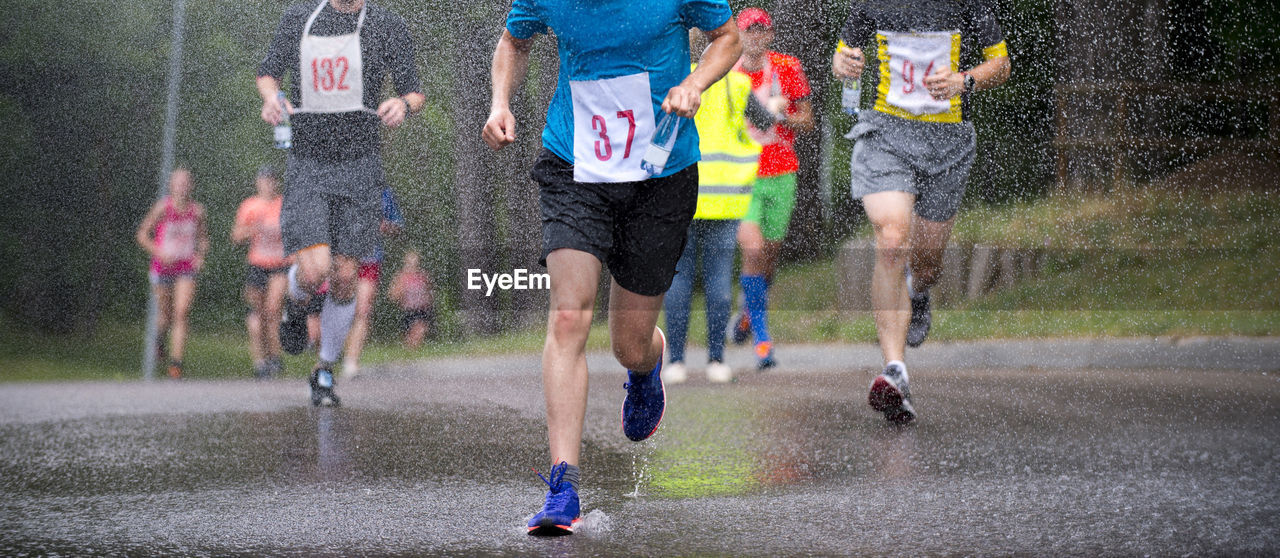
780	84
258	225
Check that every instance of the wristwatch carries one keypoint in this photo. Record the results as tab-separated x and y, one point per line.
969	82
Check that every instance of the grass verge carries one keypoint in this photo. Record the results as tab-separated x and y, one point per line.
1129	262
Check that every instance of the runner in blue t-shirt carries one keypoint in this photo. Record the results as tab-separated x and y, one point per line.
624	68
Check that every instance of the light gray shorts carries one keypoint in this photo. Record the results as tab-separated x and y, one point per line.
928	159
338	203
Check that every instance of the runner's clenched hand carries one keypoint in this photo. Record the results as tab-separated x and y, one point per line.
944	84
682	100
500	130
392	111
848	63
272	113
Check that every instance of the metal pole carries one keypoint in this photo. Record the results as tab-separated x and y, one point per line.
166	166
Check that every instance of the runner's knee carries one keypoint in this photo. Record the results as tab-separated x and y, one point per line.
569	324
632	353
892	240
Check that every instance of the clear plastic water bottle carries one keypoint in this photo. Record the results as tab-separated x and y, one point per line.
851	96
283	132
664	139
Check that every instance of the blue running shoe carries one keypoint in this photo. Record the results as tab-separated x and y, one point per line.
646	400
561	512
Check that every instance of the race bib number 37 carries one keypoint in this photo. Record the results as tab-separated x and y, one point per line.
913	57
612	126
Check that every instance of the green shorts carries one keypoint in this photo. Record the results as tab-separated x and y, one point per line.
772	199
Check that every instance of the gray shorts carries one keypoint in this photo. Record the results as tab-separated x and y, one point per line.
928	159
335	203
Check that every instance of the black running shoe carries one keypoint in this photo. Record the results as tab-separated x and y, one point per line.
891	395
921	319
293	328
322	386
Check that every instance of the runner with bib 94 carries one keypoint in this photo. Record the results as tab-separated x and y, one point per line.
913	154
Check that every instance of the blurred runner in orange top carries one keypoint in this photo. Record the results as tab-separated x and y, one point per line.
258	225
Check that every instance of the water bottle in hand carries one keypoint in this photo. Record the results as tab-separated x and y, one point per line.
284	130
664	138
851	96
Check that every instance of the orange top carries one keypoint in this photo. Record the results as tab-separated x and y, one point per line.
266	248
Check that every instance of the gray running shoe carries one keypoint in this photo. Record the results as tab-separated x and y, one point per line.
921	319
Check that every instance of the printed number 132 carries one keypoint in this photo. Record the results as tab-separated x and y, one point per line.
598	125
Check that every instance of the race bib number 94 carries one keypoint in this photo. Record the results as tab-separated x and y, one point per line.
911	58
612	127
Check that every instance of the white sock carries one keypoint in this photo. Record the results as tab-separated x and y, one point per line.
295	292
901	364
911	288
335	321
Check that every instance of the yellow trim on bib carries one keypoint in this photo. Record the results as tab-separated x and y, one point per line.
954	115
995	51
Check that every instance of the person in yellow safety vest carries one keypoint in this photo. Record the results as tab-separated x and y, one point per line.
730	160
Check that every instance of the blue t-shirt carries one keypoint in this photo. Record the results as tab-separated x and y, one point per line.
602	39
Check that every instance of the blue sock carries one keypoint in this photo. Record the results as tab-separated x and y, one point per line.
753	286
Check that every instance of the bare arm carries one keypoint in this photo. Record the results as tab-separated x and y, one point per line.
396	292
510	65
990	74
242	231
721	54
268	88
393	111
202	237
148	225
802	120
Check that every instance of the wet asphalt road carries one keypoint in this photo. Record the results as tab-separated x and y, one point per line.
433	459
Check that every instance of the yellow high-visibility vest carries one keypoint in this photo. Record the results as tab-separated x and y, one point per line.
729	156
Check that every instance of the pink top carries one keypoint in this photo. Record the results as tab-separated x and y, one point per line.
417	290
175	238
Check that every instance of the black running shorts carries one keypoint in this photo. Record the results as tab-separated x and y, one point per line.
258	277
636	229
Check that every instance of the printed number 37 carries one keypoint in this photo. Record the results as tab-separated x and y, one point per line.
598	125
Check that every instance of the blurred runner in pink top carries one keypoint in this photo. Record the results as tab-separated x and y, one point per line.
174	234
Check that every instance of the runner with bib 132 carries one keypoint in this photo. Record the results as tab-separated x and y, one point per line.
913	154
340	53
624	69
